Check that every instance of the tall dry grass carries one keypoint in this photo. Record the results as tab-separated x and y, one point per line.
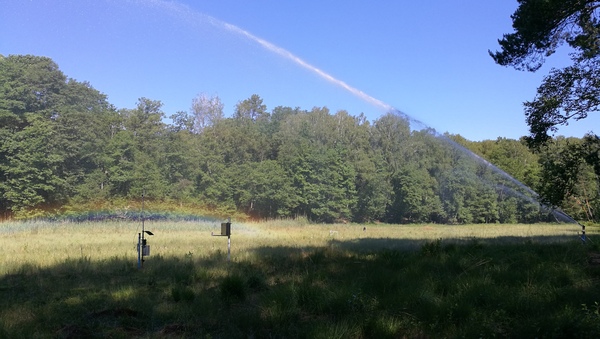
291	279
43	244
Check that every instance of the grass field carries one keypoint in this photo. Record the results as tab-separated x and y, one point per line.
288	279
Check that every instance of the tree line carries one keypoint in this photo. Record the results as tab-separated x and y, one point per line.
63	143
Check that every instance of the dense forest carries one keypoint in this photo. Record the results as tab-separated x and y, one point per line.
63	144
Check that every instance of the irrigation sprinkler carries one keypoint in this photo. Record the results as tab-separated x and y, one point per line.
582	233
225	231
564	215
143	248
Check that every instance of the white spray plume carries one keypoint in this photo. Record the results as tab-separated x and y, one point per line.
184	12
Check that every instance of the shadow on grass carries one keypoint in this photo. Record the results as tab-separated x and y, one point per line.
369	288
372	244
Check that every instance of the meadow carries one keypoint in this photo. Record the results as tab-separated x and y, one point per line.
289	278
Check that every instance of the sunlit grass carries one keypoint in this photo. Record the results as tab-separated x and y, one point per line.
43	244
289	279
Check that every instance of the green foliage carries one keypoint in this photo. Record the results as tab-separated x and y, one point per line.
251	109
32	164
182	294
263	190
543	26
48	135
567	179
567	94
63	145
233	289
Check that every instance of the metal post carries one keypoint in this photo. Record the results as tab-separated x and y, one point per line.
139	248
225	231
143	193
229	240
583	233
143	239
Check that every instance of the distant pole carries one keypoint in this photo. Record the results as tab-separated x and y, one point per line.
143	239
139	248
229	241
143	193
225	231
583	233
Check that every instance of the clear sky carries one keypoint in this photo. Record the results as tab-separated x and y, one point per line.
428	59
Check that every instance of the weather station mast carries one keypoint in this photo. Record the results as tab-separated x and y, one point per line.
225	231
143	249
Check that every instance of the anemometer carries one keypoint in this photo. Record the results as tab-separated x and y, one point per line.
143	248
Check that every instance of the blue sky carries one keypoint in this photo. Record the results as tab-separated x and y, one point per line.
428	59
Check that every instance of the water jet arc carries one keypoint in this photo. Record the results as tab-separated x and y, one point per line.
183	12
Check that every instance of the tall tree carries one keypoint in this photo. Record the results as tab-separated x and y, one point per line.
512	156
206	111
53	130
85	122
541	27
31	166
28	84
571	93
251	108
263	190
318	164
145	134
568	181
415	198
